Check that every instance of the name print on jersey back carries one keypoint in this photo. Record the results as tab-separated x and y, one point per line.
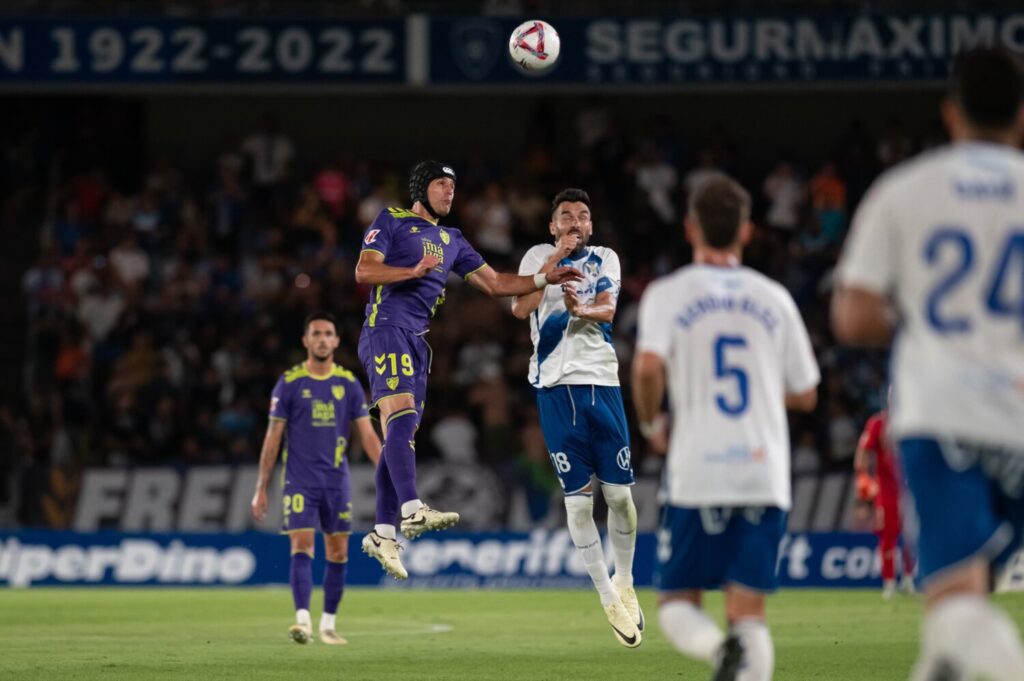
734	345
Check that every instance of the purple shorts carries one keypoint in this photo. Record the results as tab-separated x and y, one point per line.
326	508
397	362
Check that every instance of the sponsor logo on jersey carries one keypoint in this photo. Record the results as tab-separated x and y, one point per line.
371	236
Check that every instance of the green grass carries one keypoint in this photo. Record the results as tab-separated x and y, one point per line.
84	634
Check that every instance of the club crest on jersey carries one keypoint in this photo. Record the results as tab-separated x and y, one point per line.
445	238
371	236
306	393
622	458
392	383
414	230
338	391
590	268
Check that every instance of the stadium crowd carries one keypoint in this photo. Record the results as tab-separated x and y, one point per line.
161	310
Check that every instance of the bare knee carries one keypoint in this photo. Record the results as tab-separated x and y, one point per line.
692	596
303	542
742	603
971	578
336	547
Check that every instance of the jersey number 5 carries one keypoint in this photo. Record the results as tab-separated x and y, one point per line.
726	371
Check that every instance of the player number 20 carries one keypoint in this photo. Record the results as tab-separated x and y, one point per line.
560	460
294	502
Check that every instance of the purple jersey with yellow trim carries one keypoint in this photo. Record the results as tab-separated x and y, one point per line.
403	238
319	412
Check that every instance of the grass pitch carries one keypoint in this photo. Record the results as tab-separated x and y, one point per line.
127	633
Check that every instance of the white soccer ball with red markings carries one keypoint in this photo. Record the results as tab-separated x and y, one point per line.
534	46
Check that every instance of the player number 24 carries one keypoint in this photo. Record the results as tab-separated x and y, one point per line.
997	299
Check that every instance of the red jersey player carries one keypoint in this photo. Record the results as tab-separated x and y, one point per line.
884	489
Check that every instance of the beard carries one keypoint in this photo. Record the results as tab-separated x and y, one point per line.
581	244
323	358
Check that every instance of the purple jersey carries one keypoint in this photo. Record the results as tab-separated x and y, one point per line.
403	238
318	412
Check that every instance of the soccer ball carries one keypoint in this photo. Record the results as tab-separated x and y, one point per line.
534	46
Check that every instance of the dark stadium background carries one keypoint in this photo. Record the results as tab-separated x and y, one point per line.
152	289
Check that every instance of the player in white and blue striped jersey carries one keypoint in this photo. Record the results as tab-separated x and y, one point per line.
575	372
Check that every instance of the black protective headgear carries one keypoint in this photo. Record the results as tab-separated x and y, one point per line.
422	175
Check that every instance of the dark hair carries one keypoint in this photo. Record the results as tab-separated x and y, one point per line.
988	84
319	316
720	206
570	195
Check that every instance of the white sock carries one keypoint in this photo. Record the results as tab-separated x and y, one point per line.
580	518
385	531
410	507
976	637
758	651
327	622
621	531
302	617
690	630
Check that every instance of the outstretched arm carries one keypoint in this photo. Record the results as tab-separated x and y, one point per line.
371	269
498	284
601	310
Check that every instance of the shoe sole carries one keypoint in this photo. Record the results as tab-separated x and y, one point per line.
299	636
334	642
384	564
414	531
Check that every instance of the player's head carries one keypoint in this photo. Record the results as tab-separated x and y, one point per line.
719	215
570	214
320	336
986	96
432	185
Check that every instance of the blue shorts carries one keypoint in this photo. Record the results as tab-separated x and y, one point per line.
328	509
586	434
969	502
707	548
397	362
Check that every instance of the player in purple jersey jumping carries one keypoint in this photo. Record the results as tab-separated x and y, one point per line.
314	404
407	256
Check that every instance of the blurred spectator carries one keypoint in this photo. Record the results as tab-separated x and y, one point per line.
785	193
658	180
828	196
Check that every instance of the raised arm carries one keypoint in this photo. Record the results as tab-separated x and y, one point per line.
268	457
371	269
601	310
498	284
524	305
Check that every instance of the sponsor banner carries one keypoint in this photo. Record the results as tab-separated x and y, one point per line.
679	50
180	51
217	498
539	559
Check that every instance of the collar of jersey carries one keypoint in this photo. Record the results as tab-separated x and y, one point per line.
583	254
310	374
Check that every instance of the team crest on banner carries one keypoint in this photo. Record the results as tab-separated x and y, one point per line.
338	391
445	238
392	382
475	46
